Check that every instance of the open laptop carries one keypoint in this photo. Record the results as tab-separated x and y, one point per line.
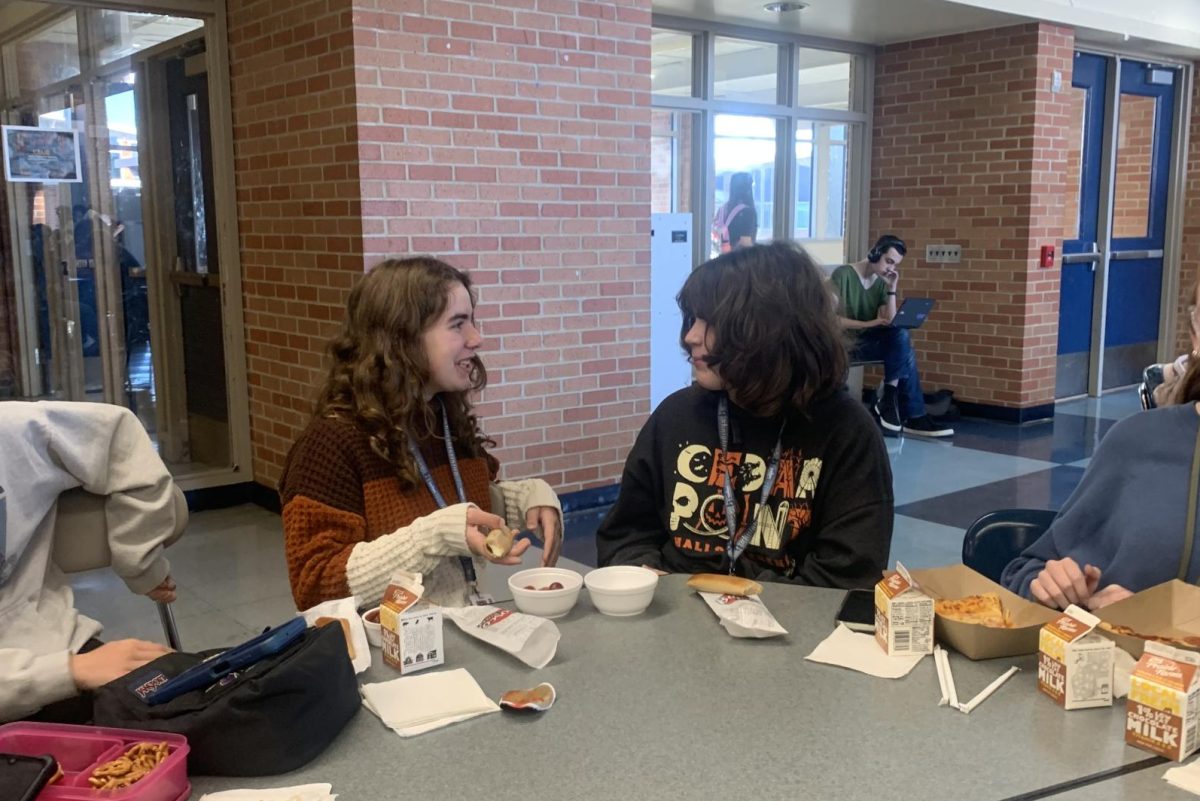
912	313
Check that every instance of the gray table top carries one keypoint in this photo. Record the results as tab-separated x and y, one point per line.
1137	786
667	705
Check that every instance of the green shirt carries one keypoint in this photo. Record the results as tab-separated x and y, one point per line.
856	303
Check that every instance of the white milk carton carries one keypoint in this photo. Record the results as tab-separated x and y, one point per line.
410	630
1075	666
1163	711
903	615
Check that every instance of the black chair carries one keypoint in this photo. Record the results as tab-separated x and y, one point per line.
995	539
1152	377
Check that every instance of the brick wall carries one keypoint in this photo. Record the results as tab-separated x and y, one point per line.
1190	260
299	215
512	140
970	147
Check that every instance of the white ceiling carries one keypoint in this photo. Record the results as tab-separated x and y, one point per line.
1167	27
876	22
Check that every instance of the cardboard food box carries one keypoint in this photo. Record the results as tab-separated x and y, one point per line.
1170	610
1163	711
976	641
410	630
1075	666
903	615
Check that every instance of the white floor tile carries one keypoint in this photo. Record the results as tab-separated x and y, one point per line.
923	469
921	544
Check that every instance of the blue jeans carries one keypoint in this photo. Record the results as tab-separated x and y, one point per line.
893	347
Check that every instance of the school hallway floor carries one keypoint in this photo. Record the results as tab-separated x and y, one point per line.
232	580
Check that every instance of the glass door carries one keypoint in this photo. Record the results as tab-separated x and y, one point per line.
1112	274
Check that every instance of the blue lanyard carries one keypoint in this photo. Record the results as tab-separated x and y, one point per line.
739	542
468	567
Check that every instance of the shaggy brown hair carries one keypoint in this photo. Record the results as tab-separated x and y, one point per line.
379	367
777	342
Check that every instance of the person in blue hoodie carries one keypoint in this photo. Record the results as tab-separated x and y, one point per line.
1125	527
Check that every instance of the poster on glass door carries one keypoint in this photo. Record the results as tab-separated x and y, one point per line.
41	155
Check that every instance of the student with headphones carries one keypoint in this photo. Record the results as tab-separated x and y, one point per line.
866	293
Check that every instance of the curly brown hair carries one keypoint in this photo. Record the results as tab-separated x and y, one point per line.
379	367
777	343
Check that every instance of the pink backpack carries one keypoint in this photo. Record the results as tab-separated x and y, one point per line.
720	227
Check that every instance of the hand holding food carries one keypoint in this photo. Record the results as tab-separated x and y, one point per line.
499	541
723	584
479	523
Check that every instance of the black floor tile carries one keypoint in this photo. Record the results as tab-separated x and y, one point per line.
1046	489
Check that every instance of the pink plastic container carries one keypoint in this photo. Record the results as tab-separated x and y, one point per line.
81	749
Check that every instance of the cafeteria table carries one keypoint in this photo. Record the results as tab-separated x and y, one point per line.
666	705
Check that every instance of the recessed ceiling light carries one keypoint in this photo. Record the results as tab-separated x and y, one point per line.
779	8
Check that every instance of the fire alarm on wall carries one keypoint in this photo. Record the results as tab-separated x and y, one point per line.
1047	259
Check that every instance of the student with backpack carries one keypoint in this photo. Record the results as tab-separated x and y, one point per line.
736	222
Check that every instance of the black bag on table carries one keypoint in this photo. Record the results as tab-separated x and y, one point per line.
273	717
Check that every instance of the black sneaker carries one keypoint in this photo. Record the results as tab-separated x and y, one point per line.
885	407
924	426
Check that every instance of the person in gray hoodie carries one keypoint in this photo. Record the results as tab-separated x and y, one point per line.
48	650
1124	528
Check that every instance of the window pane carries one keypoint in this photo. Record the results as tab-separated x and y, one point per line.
1075	98
671	161
745	71
820	212
1135	150
823	78
671	63
746	145
48	55
124	34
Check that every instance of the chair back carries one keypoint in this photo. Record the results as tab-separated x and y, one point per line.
995	539
81	530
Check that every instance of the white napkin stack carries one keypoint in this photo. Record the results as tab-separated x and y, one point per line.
850	649
346	608
1185	777
303	792
413	705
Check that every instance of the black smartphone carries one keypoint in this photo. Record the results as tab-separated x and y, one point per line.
858	610
23	777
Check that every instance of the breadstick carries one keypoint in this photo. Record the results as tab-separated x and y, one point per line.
726	585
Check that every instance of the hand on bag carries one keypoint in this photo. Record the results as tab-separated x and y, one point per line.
164	593
1062	583
1109	595
112	661
479	523
546	520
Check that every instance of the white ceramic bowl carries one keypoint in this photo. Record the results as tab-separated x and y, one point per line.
621	590
545	603
374	631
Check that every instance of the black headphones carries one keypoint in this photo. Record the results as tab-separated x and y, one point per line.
886	243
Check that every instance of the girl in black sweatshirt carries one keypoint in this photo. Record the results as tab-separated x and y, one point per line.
766	444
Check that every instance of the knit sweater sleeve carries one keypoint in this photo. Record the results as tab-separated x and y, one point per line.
513	499
324	523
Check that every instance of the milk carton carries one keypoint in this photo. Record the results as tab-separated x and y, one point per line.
410	630
1075	666
903	615
1164	702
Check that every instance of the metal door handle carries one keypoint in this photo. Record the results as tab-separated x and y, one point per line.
1080	258
1129	255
